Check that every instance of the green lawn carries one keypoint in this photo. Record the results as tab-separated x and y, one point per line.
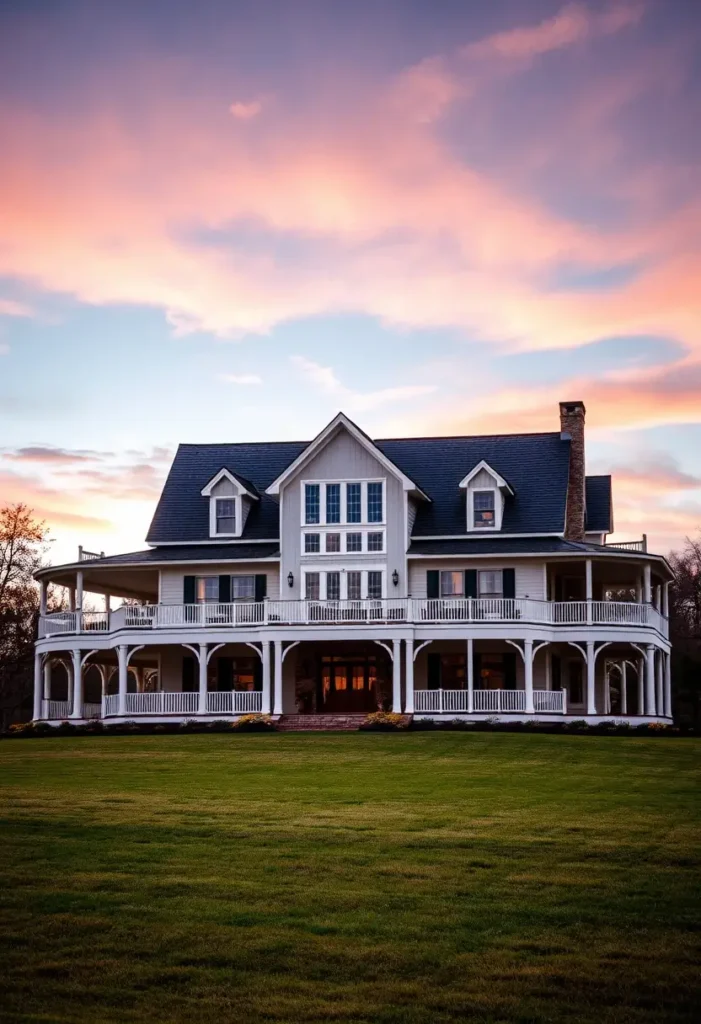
350	877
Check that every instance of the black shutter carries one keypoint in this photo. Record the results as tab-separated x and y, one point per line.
476	670
556	673
470	583
433	584
261	586
509	671
188	589
188	672
225	673
508	582
224	589
434	671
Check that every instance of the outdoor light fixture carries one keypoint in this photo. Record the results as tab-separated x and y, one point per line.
290	580
395	578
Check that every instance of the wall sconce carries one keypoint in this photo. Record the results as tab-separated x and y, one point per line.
290	580
395	578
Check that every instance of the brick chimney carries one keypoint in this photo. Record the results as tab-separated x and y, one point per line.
572	426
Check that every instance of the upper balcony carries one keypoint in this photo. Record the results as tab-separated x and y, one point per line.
394	611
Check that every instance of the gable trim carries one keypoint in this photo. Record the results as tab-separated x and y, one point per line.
225	474
501	483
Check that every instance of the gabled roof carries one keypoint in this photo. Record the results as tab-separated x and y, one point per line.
338	423
599	504
501	483
243	486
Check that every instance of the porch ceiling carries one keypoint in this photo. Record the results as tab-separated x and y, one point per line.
141	584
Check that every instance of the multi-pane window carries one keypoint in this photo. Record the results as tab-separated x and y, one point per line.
490	583
311	503
333	542
452	584
225	515
354	586
207	589
353	503
483	505
243	588
312	586
312	543
375	541
333	503
374	584
375	513
354	542
333	586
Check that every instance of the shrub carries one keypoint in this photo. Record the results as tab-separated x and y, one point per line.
21	729
254	723
220	725
579	725
423	723
384	721
189	725
65	729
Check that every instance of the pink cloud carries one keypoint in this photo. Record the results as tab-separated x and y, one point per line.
246	111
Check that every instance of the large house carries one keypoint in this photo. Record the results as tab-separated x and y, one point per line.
436	576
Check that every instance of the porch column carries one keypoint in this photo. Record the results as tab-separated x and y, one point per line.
591	679
668	685
665	601
470	676
202	698
42	597
647	585
624	688
37	686
397	676
122	689
659	694
277	679
77	709
589	588
641	686
79	590
108	599
409	701
528	670
47	679
71	599
265	698
650	681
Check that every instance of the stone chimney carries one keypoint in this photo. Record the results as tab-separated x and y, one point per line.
572	426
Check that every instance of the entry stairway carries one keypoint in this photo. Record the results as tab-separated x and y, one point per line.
320	723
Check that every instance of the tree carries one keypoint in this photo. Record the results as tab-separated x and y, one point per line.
22	551
685	632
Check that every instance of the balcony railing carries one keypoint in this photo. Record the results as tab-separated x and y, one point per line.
392	611
230	702
506	701
629	545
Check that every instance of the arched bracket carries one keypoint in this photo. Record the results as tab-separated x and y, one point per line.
286	650
514	643
387	647
421	646
641	652
88	655
598	650
193	649
539	647
133	652
256	648
582	650
215	648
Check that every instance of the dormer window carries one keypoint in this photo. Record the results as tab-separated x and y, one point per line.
484	509
225	515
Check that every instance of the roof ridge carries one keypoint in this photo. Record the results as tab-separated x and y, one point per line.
379	440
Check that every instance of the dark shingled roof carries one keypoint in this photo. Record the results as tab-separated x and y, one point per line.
184	553
599	504
500	546
536	466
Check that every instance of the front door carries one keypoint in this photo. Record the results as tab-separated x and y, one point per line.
348	684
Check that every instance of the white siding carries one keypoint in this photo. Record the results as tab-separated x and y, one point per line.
172	579
411	518
530	574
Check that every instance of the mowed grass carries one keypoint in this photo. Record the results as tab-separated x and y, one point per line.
350	877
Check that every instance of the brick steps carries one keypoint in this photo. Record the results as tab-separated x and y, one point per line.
318	723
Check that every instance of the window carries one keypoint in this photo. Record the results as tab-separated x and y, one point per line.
452	584
333	503
354	542
453	671
333	586
311	503
375	541
311	586
207	589
225	515
490	583
333	542
243	588
354	585
375	584
483	505
375	513
575	683
312	543
492	673
353	510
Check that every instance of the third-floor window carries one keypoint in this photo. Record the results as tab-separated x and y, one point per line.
375	510
354	511
333	503
312	505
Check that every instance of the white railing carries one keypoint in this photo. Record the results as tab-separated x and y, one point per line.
500	700
629	545
92	710
550	700
88	556
387	610
162	703
235	702
56	709
110	704
506	701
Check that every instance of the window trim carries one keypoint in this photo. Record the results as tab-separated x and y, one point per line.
238	515
494	596
206	576
343	571
343	529
363	481
494	491
450	572
241	576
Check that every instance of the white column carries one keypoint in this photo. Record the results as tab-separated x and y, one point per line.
265	705
277	677
639	590
79	590
77	709
647	585
202	698
42	597
37	686
108	598
470	676
591	679
528	670
122	691
624	688
668	685
641	686
658	598
548	669
397	676
665	600
409	696
650	681
71	599
588	587
659	695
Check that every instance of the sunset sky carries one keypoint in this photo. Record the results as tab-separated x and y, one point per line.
225	221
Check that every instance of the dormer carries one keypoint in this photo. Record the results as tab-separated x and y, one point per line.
485	492
230	500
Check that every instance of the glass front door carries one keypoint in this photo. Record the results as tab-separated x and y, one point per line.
348	685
